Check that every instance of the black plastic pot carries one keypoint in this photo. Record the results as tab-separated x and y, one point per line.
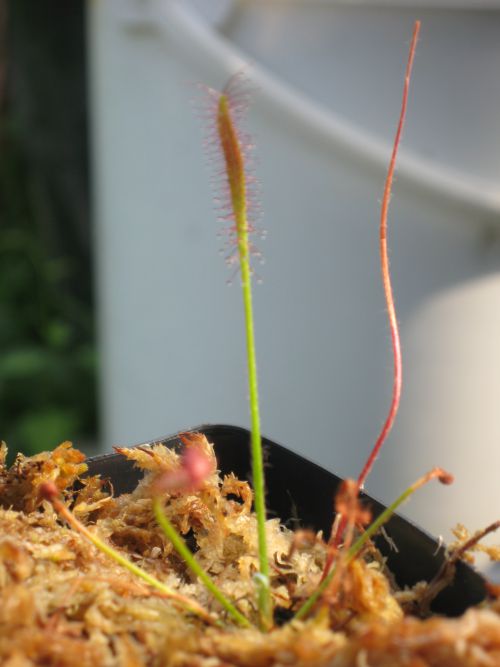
301	493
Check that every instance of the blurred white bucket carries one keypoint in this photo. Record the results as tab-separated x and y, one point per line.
172	334
349	56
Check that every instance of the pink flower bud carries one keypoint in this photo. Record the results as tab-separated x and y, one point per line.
195	467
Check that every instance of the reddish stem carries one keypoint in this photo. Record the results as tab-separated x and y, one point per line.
389	297
386	277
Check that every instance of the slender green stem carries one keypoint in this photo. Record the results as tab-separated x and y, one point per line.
352	552
237	182
256	448
374	527
135	569
182	549
51	493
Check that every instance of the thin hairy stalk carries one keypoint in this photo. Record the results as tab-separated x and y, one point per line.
182	549
443	476
49	491
235	170
389	298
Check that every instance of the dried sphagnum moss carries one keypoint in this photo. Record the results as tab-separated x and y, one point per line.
63	603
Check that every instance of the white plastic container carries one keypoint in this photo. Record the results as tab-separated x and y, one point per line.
172	345
345	55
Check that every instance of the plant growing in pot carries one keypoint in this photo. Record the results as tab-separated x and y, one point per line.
174	562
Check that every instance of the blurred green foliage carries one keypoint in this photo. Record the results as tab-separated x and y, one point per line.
47	360
47	353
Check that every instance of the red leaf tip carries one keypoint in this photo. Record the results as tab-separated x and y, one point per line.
445	477
48	491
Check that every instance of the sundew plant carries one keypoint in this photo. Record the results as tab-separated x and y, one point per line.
229	149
